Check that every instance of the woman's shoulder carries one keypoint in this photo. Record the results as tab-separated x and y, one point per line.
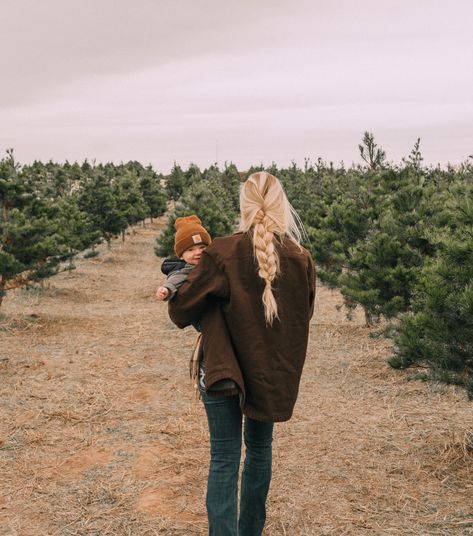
223	242
235	245
290	246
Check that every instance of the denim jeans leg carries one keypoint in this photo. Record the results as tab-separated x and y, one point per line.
256	477
225	424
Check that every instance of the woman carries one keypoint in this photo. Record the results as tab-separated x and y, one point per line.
254	293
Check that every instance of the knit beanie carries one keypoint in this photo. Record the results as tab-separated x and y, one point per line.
189	232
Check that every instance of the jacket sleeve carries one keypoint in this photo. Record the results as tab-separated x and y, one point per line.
207	279
174	281
311	271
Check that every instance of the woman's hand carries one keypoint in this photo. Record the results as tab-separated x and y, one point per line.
162	293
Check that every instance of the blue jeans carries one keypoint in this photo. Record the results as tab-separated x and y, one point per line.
225	426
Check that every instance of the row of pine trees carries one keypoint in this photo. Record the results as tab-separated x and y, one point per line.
395	239
51	212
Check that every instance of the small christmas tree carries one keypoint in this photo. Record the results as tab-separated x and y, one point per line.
97	200
153	195
75	227
175	182
129	199
439	330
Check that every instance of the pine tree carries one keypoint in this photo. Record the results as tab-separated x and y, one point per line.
231	182
29	246
192	175
338	209
153	195
383	267
438	331
75	228
175	182
97	200
129	199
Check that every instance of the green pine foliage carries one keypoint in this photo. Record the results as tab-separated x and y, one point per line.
153	195
438	330
76	228
192	175
49	212
30	247
384	265
231	182
175	182
97	199
129	199
373	155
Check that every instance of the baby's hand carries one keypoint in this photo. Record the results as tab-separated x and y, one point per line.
162	293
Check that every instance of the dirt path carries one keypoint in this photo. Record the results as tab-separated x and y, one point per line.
100	433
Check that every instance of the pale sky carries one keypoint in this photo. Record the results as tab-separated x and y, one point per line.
251	81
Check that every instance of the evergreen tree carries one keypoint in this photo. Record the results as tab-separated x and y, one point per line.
192	175
75	227
384	266
153	195
29	245
129	199
338	210
439	329
175	182
97	200
231	182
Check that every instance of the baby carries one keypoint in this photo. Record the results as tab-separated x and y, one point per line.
190	240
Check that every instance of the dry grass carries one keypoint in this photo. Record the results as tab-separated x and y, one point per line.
100	433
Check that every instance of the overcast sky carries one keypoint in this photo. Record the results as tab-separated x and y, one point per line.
249	81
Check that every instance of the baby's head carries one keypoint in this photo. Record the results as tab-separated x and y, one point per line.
191	239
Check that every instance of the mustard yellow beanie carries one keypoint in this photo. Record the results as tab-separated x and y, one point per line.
189	232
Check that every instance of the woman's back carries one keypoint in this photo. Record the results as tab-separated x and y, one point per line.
270	357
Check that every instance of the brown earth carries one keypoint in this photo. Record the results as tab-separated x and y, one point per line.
100	433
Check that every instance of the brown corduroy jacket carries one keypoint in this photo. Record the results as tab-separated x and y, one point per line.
225	292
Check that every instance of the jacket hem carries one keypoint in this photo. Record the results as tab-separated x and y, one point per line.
257	416
225	374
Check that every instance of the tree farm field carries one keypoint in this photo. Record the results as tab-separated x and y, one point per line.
101	433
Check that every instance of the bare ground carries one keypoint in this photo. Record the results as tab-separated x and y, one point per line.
100	433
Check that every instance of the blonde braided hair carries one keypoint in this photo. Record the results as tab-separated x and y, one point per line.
268	217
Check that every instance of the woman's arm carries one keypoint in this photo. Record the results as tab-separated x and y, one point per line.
207	279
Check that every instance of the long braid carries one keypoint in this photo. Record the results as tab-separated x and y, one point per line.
268	263
269	217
